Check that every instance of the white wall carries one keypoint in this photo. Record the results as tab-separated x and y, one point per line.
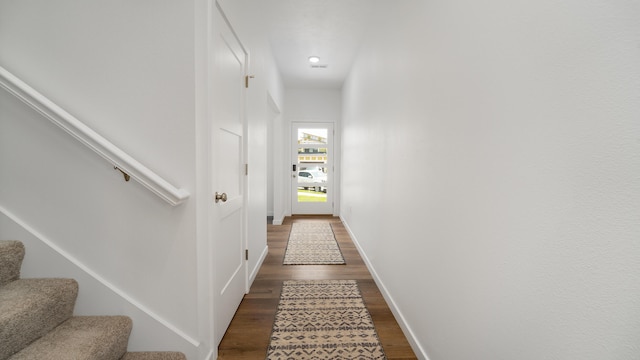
125	69
274	159
278	174
311	105
501	146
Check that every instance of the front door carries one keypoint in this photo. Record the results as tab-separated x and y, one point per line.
228	177
312	168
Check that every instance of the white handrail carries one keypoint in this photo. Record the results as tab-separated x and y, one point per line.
91	139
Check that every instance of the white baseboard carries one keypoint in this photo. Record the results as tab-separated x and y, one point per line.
255	270
278	221
406	329
212	355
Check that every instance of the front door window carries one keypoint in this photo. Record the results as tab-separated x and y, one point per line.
312	169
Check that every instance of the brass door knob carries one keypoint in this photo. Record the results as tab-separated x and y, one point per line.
222	197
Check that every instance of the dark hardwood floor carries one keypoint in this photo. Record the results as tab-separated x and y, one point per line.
248	335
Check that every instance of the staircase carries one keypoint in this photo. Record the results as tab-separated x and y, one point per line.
37	322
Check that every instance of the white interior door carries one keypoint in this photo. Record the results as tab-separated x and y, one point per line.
227	138
312	168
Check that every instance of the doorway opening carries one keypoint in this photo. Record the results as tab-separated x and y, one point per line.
312	168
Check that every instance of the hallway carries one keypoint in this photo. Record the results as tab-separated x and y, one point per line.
248	335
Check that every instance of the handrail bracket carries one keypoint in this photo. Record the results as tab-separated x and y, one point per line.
126	176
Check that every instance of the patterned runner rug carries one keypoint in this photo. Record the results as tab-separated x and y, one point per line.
312	244
323	319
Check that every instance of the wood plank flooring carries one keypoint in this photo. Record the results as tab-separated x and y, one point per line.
248	335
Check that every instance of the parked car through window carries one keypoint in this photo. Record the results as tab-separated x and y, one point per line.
313	177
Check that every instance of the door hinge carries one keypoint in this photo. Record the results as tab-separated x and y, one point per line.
246	80
246	254
246	169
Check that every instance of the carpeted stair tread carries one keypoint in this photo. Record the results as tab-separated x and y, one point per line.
149	355
29	308
37	322
11	256
82	338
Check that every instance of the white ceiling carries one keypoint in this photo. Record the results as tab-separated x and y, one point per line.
330	29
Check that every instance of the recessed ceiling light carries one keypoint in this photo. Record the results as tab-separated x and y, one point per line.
314	59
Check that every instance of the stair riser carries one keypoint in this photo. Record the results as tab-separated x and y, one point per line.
11	256
82	338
